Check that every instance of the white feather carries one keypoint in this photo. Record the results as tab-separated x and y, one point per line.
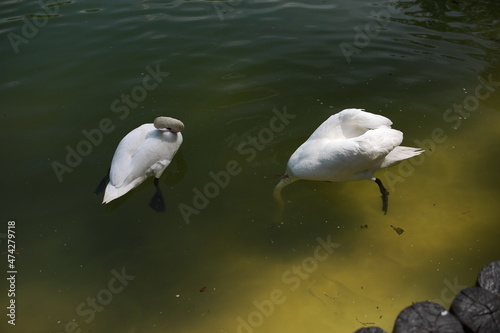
146	151
350	145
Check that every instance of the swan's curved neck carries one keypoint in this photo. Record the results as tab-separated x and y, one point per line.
286	180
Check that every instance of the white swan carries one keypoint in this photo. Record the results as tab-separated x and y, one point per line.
144	152
350	145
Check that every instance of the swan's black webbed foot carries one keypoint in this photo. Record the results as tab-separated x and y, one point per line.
385	195
157	202
102	185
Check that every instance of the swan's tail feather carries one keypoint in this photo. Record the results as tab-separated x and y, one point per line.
399	154
113	192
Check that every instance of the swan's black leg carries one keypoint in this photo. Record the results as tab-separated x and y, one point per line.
102	185
157	202
385	195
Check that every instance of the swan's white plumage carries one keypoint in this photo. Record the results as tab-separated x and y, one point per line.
145	151
350	145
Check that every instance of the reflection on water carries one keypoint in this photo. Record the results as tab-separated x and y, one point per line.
331	261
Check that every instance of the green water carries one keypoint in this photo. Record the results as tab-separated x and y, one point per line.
251	80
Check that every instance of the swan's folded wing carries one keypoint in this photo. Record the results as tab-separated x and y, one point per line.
362	155
348	159
349	123
356	122
155	154
128	146
378	143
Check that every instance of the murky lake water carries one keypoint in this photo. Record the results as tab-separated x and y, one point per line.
251	80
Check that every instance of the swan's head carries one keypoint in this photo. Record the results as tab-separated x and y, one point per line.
171	124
